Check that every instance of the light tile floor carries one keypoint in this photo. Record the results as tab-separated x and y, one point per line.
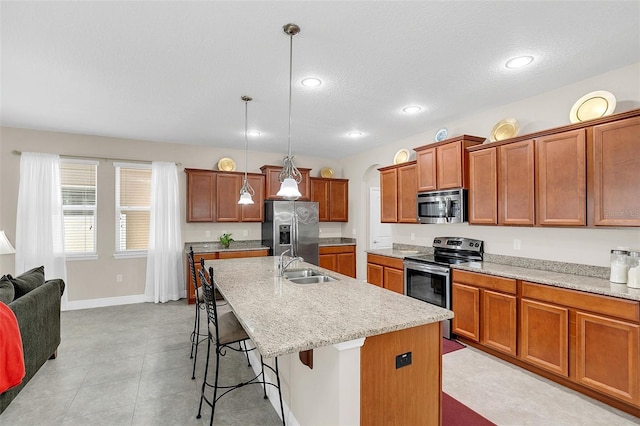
129	365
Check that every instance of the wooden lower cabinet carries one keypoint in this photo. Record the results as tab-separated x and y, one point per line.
386	272
485	310
341	259
544	336
212	256
607	356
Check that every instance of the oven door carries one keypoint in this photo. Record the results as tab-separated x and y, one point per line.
431	284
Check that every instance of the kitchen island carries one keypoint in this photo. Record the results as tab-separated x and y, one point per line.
358	334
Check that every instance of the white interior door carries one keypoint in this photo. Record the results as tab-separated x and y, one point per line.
379	233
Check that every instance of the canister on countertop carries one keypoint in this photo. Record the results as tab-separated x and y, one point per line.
619	267
633	262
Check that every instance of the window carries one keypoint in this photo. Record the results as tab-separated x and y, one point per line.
133	205
79	195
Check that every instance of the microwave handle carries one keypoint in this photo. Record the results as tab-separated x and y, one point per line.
447	209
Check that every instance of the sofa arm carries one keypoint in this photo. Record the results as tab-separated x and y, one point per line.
38	314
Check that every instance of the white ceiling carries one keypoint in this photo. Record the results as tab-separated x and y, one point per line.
175	71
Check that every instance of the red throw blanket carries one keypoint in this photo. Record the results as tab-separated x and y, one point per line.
11	357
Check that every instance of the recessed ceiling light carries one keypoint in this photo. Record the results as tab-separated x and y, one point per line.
519	62
411	109
311	82
253	133
354	134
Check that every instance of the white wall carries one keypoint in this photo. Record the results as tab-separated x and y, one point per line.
547	110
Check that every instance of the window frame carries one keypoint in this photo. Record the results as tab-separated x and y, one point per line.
118	253
89	255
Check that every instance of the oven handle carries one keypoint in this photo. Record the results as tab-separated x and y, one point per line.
423	267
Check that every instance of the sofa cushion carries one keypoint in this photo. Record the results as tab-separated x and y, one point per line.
7	292
28	281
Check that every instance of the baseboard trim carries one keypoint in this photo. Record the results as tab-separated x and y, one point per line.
103	302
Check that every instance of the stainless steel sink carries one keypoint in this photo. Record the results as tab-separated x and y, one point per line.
313	279
301	273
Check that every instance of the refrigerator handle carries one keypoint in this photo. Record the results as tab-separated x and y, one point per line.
294	235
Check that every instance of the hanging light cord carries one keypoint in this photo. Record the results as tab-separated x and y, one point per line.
289	169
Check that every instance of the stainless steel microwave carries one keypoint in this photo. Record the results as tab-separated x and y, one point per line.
447	206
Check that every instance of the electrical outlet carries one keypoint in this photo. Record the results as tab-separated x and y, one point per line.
119	278
353	231
403	360
413	236
245	232
516	244
207	233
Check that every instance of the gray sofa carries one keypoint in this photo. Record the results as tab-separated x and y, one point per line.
36	304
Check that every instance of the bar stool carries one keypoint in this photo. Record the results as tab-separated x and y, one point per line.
196	336
224	331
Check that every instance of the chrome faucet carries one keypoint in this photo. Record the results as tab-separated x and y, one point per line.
282	266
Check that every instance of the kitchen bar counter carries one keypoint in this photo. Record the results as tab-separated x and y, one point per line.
282	317
556	279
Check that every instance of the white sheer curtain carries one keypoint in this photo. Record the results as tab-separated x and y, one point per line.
164	280
40	220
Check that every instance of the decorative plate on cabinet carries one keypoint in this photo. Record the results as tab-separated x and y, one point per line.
441	134
326	172
402	156
593	105
505	129
226	164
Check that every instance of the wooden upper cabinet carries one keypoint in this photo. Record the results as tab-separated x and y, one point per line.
561	179
332	196
227	195
254	212
407	192
272	185
516	183
200	195
389	195
483	187
426	160
443	165
449	166
616	173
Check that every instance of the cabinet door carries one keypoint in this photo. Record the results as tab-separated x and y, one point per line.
394	280
516	184
483	187
320	193
254	212
607	356
465	302
561	178
449	165
346	264
544	336
339	200
200	195
328	261
389	195
499	325
375	274
227	195
616	173
426	160
407	194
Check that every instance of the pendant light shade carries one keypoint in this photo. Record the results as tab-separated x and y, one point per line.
290	176
246	191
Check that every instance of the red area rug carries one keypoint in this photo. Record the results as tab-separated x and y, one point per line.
450	346
455	413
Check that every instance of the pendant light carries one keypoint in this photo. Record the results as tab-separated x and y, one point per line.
246	192
290	176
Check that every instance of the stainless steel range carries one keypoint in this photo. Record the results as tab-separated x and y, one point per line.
428	277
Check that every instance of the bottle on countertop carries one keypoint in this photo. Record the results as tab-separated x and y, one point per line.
633	263
619	267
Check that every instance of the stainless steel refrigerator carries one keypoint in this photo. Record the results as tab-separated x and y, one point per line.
291	225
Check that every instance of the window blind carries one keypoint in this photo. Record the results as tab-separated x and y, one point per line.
79	202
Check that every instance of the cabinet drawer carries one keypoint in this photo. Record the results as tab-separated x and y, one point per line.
243	253
490	282
392	262
618	308
336	249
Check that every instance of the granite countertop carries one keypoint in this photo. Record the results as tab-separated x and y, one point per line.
282	317
337	241
556	279
402	251
215	246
